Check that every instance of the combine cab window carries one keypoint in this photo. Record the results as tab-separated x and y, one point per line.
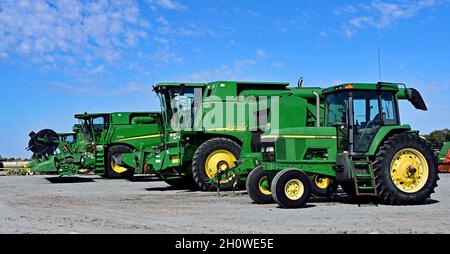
337	109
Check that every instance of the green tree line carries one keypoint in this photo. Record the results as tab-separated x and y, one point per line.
438	137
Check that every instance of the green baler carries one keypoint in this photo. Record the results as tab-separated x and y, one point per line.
361	145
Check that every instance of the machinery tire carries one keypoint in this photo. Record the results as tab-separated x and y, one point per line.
296	180
1	165
205	153
321	189
397	152
256	191
110	173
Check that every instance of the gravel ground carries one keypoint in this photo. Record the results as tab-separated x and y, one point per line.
90	204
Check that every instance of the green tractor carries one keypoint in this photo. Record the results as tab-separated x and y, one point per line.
100	141
207	128
360	144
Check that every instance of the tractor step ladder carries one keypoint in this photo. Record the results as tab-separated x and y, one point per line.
362	172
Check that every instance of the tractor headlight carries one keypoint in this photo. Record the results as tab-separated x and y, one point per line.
268	152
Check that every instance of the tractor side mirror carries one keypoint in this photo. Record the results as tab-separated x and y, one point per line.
415	98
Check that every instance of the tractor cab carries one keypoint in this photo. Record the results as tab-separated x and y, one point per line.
359	111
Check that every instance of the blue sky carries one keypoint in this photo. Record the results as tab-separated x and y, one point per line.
62	57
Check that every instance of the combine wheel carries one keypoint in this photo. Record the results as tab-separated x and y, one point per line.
258	186
291	188
405	169
214	155
113	170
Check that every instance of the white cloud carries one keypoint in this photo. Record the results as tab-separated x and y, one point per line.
261	53
56	29
168	4
323	34
381	14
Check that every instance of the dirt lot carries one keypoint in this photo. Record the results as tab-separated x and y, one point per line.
90	204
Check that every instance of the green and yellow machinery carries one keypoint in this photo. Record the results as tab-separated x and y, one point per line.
444	158
207	127
101	139
359	144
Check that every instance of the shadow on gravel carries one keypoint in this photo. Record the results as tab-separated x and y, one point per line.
168	188
71	179
370	201
304	207
144	179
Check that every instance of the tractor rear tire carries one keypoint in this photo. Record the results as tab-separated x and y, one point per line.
321	188
222	151
110	165
255	188
291	188
405	169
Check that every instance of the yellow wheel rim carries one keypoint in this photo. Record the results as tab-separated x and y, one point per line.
409	170
322	182
118	169
83	170
219	160
294	189
263	183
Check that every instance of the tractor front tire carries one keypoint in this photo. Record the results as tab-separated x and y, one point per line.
114	171
210	157
405	169
291	188
258	186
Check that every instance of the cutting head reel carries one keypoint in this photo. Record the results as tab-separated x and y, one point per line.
45	142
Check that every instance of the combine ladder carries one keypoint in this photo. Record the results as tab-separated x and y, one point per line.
99	161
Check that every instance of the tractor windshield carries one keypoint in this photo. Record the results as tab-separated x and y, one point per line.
359	115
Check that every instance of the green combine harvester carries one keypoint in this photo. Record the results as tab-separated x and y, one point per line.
96	144
359	144
207	128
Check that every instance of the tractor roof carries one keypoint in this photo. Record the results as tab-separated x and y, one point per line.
363	86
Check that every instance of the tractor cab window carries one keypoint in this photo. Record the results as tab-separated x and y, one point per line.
389	109
366	119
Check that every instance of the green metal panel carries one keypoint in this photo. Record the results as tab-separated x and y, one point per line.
383	133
